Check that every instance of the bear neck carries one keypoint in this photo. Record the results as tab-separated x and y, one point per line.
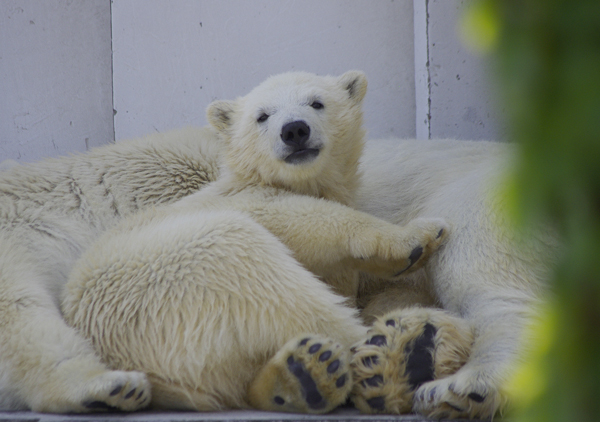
333	185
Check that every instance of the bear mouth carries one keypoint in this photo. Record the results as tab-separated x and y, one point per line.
302	156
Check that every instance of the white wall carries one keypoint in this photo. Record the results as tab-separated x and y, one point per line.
170	58
55	77
460	83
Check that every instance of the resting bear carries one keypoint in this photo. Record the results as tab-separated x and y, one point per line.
207	295
255	327
488	274
49	213
486	280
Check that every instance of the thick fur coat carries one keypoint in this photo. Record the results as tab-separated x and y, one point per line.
172	294
218	301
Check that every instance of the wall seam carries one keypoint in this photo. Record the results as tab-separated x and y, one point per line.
422	69
428	67
112	73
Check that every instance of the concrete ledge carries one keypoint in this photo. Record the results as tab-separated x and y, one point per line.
340	415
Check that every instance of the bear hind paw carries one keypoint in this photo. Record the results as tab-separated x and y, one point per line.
310	374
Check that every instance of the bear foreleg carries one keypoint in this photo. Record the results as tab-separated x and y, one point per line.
45	365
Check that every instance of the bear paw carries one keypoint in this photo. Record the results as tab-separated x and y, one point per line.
391	251
117	391
458	396
406	349
310	374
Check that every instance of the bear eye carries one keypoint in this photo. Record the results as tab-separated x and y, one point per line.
262	118
317	105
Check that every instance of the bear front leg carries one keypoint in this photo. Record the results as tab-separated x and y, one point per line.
46	366
324	235
389	251
310	374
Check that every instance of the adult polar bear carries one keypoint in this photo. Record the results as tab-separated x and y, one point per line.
53	211
490	275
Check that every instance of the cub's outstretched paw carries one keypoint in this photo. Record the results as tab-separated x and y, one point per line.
392	251
405	349
462	395
117	391
310	374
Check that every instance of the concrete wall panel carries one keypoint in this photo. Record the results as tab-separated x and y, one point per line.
172	58
55	77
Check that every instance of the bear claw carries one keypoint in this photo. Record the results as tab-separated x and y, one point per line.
476	397
415	255
116	390
99	405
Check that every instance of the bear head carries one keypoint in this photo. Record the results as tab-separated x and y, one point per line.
296	131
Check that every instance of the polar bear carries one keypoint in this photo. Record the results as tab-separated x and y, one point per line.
211	297
487	274
52	211
49	213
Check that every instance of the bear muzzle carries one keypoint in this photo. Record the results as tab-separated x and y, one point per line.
296	135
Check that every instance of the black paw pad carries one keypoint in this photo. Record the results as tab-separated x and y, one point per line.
369	361
99	405
419	364
279	400
304	341
440	233
139	395
314	348
130	394
313	398
476	397
378	340
333	366
377	403
116	390
390	323
341	381
325	355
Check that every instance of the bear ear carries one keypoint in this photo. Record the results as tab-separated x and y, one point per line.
355	82
220	114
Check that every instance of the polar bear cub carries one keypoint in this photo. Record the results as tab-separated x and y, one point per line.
49	213
212	297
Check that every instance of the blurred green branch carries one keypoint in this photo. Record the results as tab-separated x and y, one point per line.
549	58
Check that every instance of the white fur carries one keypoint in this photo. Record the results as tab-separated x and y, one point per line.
49	213
201	298
483	273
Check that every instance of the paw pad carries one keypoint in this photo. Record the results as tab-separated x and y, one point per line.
401	354
325	356
307	375
377	403
99	405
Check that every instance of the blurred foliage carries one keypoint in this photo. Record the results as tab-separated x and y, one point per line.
548	53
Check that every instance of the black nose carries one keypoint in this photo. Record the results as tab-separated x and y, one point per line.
295	134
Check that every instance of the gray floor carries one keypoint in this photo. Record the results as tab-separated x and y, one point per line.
342	415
